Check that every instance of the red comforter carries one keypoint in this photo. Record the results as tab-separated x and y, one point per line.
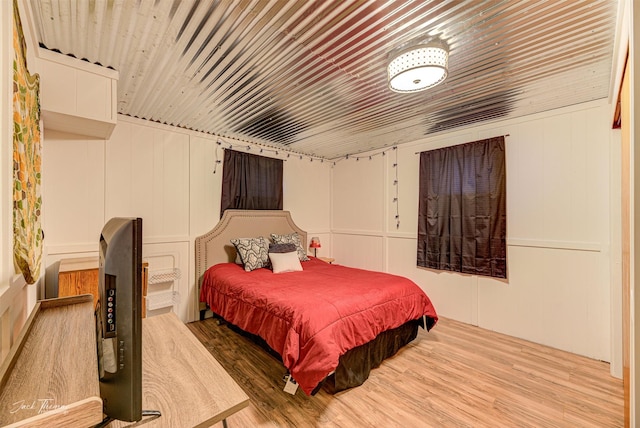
314	316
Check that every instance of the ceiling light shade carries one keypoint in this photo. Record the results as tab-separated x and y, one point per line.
418	67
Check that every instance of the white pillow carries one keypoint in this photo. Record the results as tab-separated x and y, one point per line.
285	262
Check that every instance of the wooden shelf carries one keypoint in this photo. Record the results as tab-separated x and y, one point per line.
50	377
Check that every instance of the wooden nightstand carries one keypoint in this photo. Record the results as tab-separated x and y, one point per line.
329	260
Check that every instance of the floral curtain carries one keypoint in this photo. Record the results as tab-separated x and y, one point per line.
27	201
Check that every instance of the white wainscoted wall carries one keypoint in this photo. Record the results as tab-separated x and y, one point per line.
164	175
558	208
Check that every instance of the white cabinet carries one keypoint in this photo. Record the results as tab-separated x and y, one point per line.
76	96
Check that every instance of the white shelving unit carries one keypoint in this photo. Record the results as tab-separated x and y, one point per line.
167	287
162	296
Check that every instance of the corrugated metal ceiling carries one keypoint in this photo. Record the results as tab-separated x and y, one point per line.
310	76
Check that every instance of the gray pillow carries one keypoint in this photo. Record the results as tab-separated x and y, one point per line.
282	248
292	238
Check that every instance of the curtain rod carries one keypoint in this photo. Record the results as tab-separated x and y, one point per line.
505	135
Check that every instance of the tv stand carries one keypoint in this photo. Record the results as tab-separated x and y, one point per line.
50	377
181	379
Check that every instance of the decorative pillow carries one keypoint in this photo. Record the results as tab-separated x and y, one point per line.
254	252
285	262
292	238
282	248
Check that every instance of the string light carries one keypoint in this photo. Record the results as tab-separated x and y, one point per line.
382	152
395	182
218	161
278	153
226	145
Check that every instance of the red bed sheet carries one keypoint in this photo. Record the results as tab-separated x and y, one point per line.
314	316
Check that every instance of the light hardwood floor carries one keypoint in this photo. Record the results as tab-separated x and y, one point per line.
456	375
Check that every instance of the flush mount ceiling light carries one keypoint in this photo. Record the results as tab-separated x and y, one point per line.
418	67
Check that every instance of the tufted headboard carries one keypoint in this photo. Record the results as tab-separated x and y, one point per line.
215	247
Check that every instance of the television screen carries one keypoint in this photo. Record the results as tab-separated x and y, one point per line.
119	319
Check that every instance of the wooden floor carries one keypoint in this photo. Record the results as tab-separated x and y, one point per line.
456	375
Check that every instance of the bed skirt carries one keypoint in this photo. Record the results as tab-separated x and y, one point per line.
356	364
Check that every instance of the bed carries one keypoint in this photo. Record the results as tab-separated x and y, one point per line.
329	324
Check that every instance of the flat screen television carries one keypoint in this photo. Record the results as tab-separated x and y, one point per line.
119	319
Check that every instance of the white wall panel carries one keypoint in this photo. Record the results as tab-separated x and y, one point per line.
204	185
147	176
119	172
554	296
72	189
361	251
358	194
307	193
136	190
173	192
557	177
555	174
524	189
